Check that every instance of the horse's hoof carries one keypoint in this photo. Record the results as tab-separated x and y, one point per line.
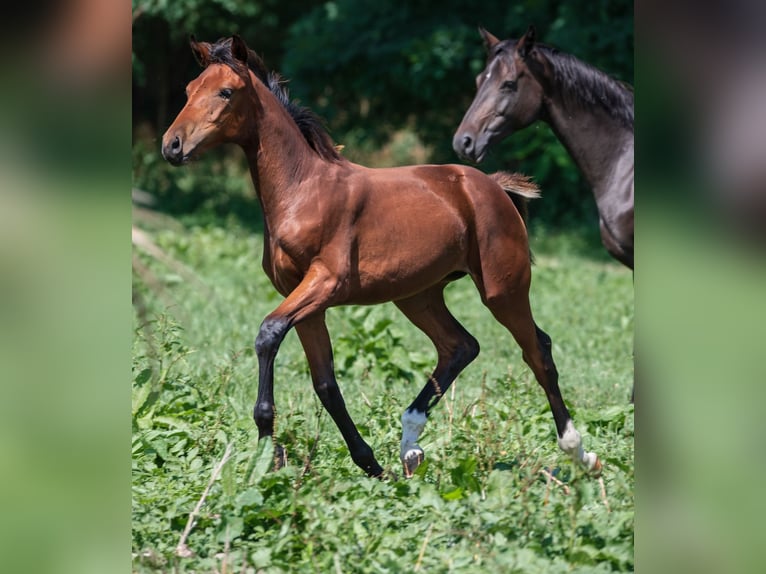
387	476
376	472
596	468
280	457
412	459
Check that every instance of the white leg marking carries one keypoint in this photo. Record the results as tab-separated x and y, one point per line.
571	443
413	423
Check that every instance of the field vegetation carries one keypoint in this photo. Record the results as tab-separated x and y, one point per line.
495	493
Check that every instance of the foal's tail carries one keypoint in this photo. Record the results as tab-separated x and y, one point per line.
519	188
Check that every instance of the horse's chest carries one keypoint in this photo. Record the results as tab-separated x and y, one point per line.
286	263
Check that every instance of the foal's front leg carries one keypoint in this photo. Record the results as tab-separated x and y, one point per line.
318	348
310	297
270	336
304	308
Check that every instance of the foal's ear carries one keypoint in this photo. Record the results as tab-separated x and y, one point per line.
239	48
201	51
489	40
527	42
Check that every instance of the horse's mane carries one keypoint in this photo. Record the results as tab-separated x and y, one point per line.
308	122
587	85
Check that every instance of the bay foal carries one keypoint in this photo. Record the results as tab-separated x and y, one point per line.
336	233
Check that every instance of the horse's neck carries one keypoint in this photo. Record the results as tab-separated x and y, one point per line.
278	154
595	140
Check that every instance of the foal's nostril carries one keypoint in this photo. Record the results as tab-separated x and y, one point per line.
172	149
467	142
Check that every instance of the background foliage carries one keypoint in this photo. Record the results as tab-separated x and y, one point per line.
392	80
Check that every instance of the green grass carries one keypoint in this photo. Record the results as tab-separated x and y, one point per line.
479	503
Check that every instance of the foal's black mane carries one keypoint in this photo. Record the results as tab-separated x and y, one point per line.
586	85
307	121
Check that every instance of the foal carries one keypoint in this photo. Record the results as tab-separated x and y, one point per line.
337	233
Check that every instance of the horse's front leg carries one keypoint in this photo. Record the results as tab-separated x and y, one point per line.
270	336
310	297
318	348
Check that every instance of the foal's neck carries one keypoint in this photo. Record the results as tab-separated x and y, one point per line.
278	154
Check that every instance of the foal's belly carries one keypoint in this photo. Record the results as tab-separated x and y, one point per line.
402	266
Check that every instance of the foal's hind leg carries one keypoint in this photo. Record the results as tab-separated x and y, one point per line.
456	348
512	310
317	346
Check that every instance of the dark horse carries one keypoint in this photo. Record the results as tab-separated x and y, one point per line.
337	233
590	113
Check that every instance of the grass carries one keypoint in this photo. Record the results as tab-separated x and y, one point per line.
480	503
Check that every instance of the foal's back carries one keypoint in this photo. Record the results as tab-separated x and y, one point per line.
407	228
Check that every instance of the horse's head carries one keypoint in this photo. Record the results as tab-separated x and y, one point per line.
508	97
217	104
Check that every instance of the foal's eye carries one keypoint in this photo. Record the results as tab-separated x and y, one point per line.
225	93
509	86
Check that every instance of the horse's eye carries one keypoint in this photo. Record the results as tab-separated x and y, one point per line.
509	86
225	93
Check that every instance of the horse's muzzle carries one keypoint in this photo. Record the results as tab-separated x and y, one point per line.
464	145
173	150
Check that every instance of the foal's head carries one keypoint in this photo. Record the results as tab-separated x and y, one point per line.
509	96
217	105
223	105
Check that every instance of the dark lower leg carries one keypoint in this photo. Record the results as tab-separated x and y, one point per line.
548	377
316	344
264	412
515	314
414	418
456	348
332	400
569	438
447	370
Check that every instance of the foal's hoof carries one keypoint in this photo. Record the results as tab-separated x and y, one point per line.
592	464
595	470
388	475
411	460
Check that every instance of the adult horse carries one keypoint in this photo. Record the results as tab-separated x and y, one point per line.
337	233
590	113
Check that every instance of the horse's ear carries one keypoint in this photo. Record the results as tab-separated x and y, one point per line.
201	51
239	48
489	40
526	42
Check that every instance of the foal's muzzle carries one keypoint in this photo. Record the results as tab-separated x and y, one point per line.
173	149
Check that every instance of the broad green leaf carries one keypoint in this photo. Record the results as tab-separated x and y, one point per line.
262	460
454	493
143	376
250	497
